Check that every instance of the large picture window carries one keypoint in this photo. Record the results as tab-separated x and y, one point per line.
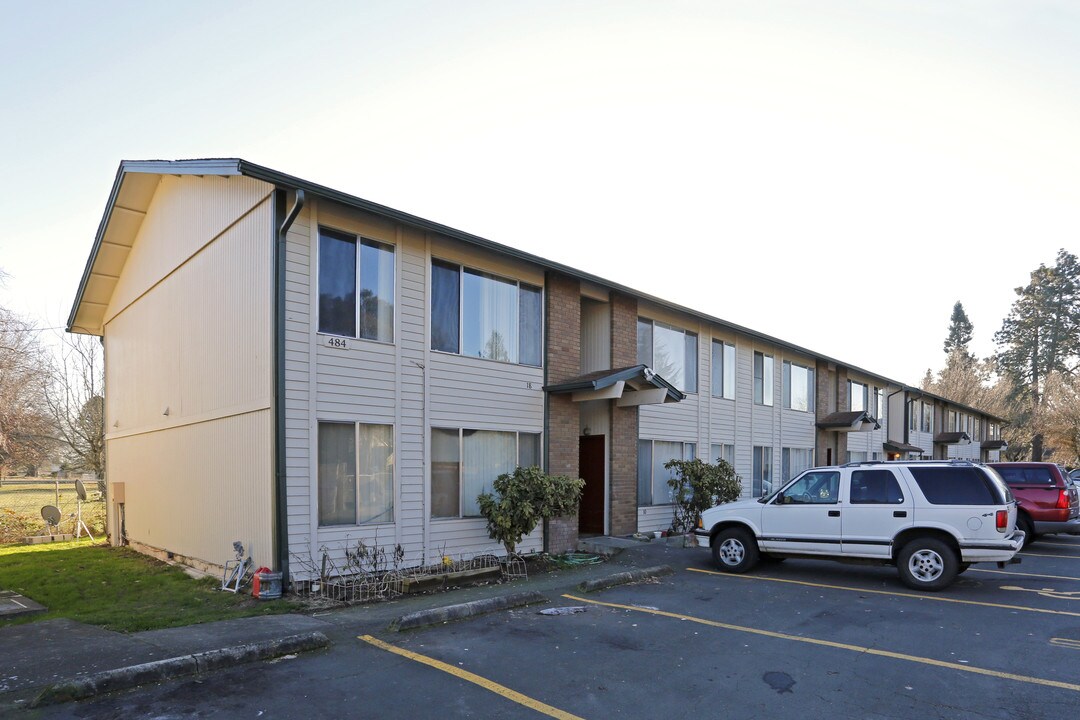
723	370
481	315
670	352
763	379
858	396
798	387
356	286
652	475
356	473
465	463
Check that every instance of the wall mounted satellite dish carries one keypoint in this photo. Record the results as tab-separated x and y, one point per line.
80	490
51	515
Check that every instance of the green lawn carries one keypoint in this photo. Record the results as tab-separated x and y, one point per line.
118	588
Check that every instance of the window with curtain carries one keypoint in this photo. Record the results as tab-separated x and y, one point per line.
355	473
762	476
356	286
794	460
723	370
482	315
722	451
763	379
652	475
798	387
670	352
465	463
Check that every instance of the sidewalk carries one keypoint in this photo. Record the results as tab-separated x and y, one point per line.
38	655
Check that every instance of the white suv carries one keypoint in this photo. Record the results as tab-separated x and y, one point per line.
931	519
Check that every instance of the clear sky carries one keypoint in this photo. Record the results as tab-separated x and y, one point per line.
833	173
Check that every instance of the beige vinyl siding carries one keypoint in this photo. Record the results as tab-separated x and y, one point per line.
403	384
188	337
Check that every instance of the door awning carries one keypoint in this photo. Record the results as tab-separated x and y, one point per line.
901	447
629	386
854	421
994	445
952	438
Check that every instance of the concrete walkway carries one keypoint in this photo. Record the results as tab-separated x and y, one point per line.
71	660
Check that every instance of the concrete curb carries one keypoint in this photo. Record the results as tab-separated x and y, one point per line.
625	577
448	613
170	668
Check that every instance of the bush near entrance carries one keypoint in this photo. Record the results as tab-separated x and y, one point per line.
525	497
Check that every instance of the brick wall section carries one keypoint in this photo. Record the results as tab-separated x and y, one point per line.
563	337
624	421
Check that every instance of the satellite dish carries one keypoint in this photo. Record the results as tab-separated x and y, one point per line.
80	490
51	514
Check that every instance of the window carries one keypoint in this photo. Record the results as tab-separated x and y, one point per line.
482	315
723	370
798	387
670	352
857	396
652	475
464	463
763	379
956	486
856	456
875	487
795	460
879	403
722	452
927	418
762	471
372	318
356	473
814	488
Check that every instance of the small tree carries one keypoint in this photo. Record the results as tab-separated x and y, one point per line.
525	497
698	486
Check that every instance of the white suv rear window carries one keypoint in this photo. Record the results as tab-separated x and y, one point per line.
956	486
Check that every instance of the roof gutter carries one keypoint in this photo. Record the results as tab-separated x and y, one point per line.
281	524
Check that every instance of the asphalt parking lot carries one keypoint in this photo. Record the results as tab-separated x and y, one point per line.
803	639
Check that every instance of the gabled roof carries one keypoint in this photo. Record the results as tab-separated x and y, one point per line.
613	385
952	438
900	447
854	421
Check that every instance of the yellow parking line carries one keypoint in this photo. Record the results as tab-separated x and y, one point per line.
936	598
840	646
1020	574
473	678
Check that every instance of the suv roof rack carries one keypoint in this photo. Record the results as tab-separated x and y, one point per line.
950	461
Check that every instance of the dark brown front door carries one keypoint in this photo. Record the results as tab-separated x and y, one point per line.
591	470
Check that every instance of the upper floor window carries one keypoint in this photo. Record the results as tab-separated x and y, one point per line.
356	286
879	403
798	387
927	424
763	379
723	370
857	396
670	352
481	315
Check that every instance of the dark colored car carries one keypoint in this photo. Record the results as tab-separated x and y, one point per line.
1048	502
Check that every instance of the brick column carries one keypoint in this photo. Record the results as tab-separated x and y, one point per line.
563	338
624	421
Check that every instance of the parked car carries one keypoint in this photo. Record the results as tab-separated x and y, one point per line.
1047	501
931	519
1074	475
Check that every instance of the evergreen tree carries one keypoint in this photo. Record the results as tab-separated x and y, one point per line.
1041	337
960	330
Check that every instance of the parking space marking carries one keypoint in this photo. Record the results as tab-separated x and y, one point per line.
1020	574
1066	642
483	682
1047	592
1067	557
936	598
841	646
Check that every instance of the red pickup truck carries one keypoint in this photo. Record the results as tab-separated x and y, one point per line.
1047	501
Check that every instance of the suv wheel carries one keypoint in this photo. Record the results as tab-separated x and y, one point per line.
1024	523
927	564
734	550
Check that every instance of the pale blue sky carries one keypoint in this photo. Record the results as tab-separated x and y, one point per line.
836	174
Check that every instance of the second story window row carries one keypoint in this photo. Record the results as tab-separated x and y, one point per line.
670	352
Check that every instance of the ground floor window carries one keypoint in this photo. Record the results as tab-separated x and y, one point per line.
794	460
355	473
465	463
652	475
763	471
853	457
722	451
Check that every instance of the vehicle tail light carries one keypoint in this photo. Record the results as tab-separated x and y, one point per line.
1063	500
1002	520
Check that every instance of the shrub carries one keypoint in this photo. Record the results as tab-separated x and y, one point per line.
525	497
697	486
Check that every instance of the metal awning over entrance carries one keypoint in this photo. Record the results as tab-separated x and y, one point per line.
994	445
628	387
952	438
854	421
